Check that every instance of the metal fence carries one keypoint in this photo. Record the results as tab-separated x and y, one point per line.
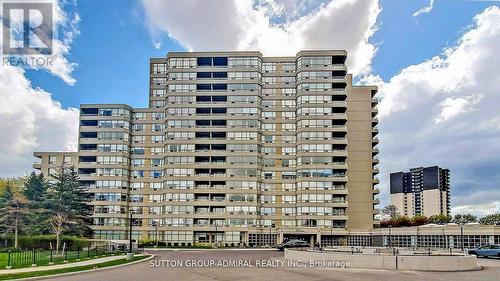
34	257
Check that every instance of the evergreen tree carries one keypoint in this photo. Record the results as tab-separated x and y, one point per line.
68	201
7	195
35	188
35	191
13	210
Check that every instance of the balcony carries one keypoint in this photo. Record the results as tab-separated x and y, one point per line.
340	116
209	163
211	187
339	104
339	92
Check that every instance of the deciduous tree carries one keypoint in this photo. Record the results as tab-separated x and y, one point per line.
391	211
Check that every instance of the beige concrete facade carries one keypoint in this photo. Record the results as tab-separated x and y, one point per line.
234	148
421	191
49	162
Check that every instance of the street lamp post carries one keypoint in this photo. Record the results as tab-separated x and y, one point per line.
390	236
462	236
130	234
416	242
216	230
331	235
270	236
155	224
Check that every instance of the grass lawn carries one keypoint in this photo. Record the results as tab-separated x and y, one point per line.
69	269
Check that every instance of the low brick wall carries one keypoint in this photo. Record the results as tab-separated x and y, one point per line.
421	263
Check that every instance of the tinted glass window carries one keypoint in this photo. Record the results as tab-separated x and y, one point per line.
219	74
203	110
219	122
219	110
203	98
218	134
202	146
202	122
219	98
202	134
203	75
218	146
202	159
203	87
204	61
219	86
220	61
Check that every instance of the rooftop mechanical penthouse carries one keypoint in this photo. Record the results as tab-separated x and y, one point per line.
234	148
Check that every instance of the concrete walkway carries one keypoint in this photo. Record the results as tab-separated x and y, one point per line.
64	265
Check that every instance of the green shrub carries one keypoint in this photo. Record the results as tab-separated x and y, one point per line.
45	241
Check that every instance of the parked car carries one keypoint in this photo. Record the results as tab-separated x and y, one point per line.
486	251
293	244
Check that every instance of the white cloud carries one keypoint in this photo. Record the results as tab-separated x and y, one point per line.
453	106
240	25
444	111
425	10
479	202
30	120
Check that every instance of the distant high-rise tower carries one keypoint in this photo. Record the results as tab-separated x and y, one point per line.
422	191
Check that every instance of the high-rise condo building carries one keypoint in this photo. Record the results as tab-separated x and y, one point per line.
234	148
422	191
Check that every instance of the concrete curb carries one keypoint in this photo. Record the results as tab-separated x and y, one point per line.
84	271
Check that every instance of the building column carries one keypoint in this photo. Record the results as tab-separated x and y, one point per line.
245	238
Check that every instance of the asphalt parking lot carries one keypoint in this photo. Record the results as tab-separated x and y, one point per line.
262	265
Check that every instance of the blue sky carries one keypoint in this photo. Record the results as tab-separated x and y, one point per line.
114	47
438	107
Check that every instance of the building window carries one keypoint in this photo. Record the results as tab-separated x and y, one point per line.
67	160
52	159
